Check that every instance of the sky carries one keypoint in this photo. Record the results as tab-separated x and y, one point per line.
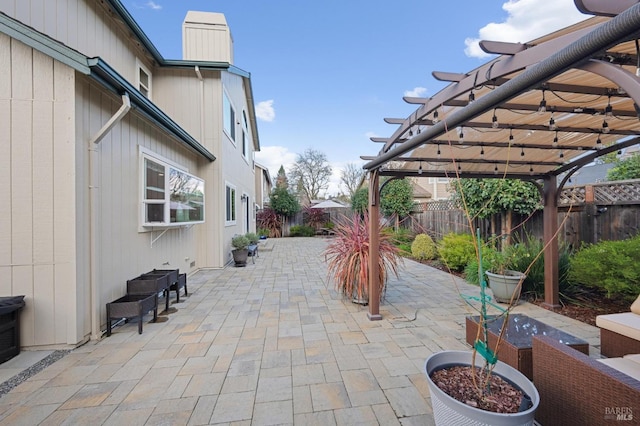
325	74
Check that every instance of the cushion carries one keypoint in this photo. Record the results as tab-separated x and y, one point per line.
633	357
626	323
623	365
635	306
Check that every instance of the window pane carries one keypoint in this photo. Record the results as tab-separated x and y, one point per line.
228	117
154	179
244	143
186	197
155	213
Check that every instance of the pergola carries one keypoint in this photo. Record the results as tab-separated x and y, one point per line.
536	111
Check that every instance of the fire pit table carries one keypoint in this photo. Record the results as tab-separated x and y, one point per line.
515	348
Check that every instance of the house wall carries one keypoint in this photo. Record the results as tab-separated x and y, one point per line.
206	37
123	248
37	188
85	26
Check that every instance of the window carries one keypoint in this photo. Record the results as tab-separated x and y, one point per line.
229	117
245	139
144	79
170	196
230	203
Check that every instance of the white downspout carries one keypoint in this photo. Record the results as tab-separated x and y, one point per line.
93	209
199	74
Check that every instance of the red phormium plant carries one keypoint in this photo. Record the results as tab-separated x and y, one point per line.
314	217
348	257
268	219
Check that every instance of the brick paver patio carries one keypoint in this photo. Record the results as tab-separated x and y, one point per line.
271	343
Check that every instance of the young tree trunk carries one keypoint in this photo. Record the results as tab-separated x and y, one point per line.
507	225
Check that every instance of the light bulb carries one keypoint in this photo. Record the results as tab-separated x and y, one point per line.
605	127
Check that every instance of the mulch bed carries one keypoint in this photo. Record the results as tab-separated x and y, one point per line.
584	307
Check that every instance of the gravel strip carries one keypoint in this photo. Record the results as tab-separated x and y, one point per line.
34	369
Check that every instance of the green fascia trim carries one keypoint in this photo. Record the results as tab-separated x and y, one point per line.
107	76
44	44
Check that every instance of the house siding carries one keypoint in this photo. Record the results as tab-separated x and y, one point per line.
37	234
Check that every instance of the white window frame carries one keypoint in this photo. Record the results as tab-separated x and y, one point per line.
165	202
139	84
230	204
228	117
245	136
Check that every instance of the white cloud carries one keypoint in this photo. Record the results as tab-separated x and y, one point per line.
265	111
526	20
272	157
153	5
416	92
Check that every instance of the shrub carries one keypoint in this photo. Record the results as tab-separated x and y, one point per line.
263	231
252	237
423	247
314	217
489	256
400	236
457	250
302	231
613	266
239	242
269	220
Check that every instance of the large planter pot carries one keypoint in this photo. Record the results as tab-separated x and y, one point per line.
240	256
504	285
448	411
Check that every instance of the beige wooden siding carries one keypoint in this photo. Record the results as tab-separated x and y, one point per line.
206	37
85	26
123	250
37	254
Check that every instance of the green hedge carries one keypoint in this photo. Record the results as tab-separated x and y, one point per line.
302	231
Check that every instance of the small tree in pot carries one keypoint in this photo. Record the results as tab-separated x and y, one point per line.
240	252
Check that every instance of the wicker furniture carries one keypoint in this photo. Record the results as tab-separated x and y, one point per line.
619	334
515	348
149	284
132	306
177	281
577	389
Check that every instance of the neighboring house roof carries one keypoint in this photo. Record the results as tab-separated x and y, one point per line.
100	71
265	172
590	174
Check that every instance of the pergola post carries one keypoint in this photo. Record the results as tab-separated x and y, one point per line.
374	245
550	223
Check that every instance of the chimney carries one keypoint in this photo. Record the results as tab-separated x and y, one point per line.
206	37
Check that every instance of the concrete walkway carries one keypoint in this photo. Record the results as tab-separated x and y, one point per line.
272	343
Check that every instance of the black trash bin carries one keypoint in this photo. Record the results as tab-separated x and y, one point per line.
10	326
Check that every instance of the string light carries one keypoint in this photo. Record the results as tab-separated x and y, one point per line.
481	150
598	143
561	154
522	152
555	140
438	153
494	120
531	170
420	169
552	123
510	136
472	96
605	126
461	135
495	170
435	117
608	110
543	104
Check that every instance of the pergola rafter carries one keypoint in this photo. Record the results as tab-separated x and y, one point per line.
537	110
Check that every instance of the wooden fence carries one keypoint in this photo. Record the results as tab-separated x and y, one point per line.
587	214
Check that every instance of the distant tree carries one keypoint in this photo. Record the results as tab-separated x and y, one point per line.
629	168
351	177
484	198
609	158
360	200
396	199
311	172
281	180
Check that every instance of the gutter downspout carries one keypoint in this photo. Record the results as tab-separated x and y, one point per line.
93	209
197	69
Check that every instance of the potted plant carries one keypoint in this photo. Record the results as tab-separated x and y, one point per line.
504	282
348	258
240	251
263	233
474	387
